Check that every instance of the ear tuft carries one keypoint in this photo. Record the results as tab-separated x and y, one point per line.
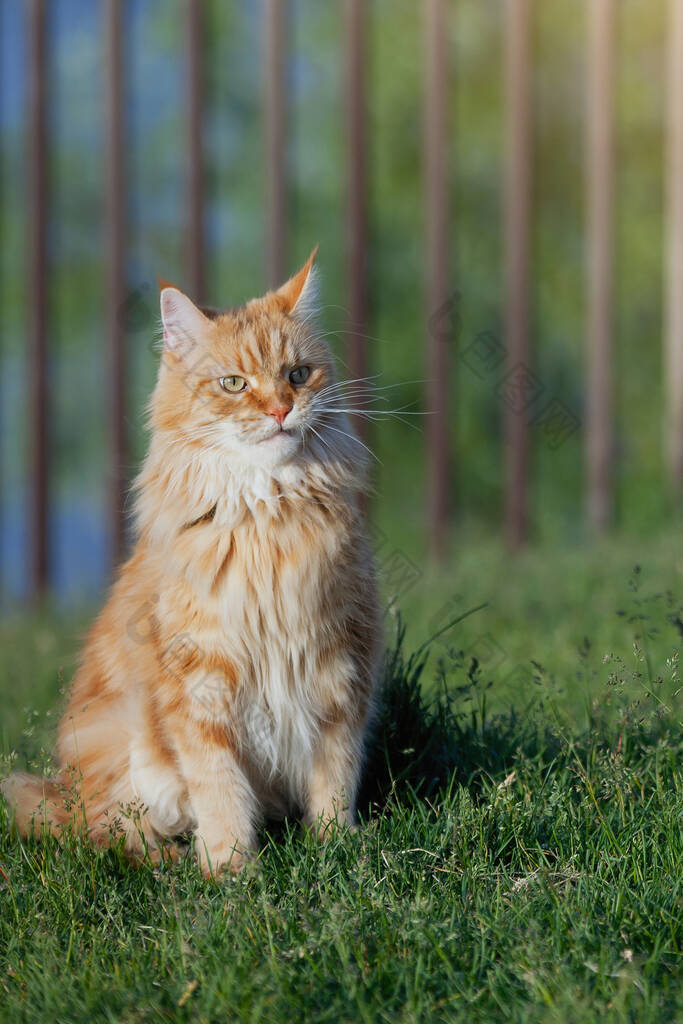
299	296
183	323
163	283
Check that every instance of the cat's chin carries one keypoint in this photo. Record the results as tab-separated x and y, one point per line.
275	450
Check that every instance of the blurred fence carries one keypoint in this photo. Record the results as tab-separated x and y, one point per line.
519	386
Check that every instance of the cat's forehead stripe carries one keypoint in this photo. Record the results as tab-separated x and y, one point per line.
257	341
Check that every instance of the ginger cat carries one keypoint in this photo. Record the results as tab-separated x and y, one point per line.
232	670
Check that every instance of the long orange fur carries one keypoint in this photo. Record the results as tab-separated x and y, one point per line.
231	673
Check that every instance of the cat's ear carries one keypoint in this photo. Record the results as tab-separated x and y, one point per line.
184	324
163	283
299	296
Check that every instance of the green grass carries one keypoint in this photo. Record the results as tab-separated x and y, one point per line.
519	857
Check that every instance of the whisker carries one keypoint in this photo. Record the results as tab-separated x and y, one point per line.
346	383
376	412
361	399
353	438
365	384
344	387
346	396
375	415
322	440
349	331
361	404
196	434
377	419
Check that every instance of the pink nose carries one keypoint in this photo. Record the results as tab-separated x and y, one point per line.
279	412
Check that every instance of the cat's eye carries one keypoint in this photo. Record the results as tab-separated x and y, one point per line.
232	384
300	375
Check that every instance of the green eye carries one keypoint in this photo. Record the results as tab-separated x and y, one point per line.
232	384
300	375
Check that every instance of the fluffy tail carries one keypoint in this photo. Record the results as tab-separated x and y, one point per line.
35	803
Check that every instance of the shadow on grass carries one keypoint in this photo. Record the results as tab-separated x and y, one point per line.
418	746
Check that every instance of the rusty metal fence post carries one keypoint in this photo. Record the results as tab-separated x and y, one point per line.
516	200
673	384
357	243
437	234
600	186
37	298
115	279
275	114
196	255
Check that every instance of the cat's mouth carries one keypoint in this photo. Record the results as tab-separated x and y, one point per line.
279	434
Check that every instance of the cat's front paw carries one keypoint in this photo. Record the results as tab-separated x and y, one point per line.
325	825
213	862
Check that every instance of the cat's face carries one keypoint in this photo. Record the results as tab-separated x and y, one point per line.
247	381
